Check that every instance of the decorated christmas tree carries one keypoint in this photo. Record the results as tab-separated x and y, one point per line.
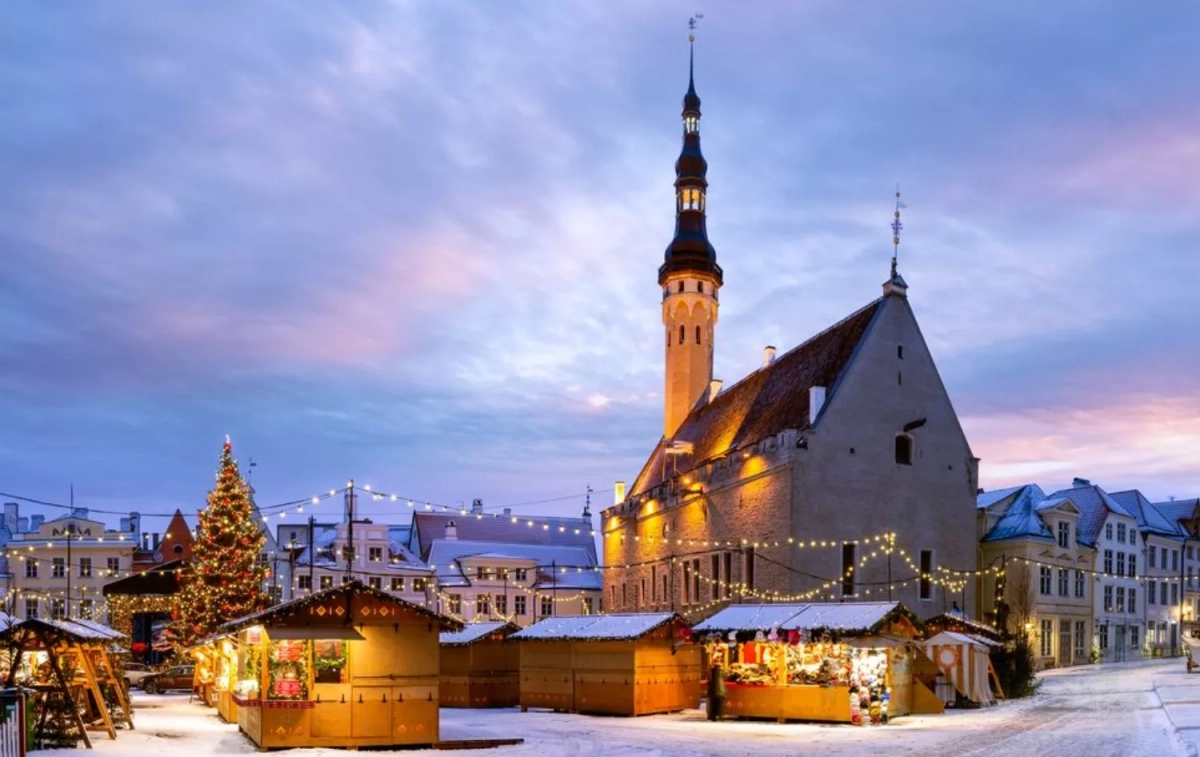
225	579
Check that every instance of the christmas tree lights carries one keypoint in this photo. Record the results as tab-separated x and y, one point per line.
226	577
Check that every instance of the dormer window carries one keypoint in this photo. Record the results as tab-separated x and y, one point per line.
691	198
691	123
1064	534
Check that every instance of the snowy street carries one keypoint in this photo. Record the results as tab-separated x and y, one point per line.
1098	711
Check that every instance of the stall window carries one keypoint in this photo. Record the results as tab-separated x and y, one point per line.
848	558
329	660
288	670
926	585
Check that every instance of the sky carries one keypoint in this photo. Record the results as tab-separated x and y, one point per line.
415	243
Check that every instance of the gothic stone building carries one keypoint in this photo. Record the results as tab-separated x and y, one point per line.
783	484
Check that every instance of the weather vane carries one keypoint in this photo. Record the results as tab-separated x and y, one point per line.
692	26
896	227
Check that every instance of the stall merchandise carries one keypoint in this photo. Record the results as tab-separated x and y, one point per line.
965	661
632	664
850	662
480	667
349	666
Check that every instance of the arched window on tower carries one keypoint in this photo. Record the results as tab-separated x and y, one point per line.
904	449
691	198
681	286
682	334
697	335
691	123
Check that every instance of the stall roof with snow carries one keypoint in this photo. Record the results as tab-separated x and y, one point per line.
474	632
617	627
859	618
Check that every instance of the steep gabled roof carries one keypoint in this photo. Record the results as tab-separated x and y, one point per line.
1179	510
1022	519
1094	506
765	403
987	499
565	567
1148	517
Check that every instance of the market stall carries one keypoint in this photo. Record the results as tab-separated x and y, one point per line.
67	664
349	666
634	664
480	667
965	661
849	662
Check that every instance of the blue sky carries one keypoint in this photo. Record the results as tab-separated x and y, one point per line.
415	243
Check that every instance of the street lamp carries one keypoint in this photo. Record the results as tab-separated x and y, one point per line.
70	532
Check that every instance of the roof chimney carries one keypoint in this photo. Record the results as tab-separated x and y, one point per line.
476	506
714	388
619	493
79	512
768	356
1078	482
451	530
816	401
508	511
36	521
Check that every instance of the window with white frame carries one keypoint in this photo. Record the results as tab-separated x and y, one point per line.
1133	636
522	574
1064	642
1151	592
1064	534
58	568
1080	638
375	582
455	603
1132	535
31	608
397	583
58	609
1174	594
1108	561
547	607
1102	633
1047	640
1108	531
85	567
1152	552
1175	560
113	566
1080	584
1120	599
1063	584
1044	582
483	604
519	605
31	570
86	608
1108	598
1121	532
304	583
587	605
1133	565
1162	592
1132	600
419	584
375	554
1120	563
501	602
326	582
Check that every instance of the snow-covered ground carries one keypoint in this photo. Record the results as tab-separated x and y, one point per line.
1100	711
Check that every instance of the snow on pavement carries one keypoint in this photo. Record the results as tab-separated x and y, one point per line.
1098	711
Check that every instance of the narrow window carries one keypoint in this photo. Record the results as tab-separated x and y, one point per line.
749	581
728	571
899	378
904	449
687	583
682	331
681	286
900	351
715	592
1064	534
848	551
926	574
696	580
697	335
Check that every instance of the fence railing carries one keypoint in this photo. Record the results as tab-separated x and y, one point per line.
12	723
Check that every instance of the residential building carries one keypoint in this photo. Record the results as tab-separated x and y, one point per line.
365	552
1163	542
521	583
1185	513
60	568
1034	556
840	444
476	524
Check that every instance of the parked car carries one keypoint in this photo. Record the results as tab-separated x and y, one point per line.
134	672
178	677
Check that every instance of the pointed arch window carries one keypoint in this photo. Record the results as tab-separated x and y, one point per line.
697	335
691	198
682	334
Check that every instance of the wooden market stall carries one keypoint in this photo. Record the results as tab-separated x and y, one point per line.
851	662
215	677
67	664
966	662
634	664
349	666
958	622
480	667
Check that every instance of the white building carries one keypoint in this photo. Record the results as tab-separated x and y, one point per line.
1164	542
365	552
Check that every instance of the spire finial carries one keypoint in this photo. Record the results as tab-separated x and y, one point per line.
896	227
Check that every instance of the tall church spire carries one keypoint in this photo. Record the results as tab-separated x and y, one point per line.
689	275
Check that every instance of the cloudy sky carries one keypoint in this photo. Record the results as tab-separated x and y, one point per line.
415	243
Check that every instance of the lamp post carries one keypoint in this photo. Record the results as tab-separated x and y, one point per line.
70	532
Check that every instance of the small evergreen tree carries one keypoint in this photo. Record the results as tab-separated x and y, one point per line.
225	579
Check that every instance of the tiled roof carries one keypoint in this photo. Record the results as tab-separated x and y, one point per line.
1094	506
987	499
508	529
765	403
473	632
1148	517
575	566
1177	510
1021	519
595	627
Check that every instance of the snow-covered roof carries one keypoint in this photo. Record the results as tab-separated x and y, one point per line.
842	616
564	567
1094	506
473	632
619	627
987	499
1020	519
1149	518
946	638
